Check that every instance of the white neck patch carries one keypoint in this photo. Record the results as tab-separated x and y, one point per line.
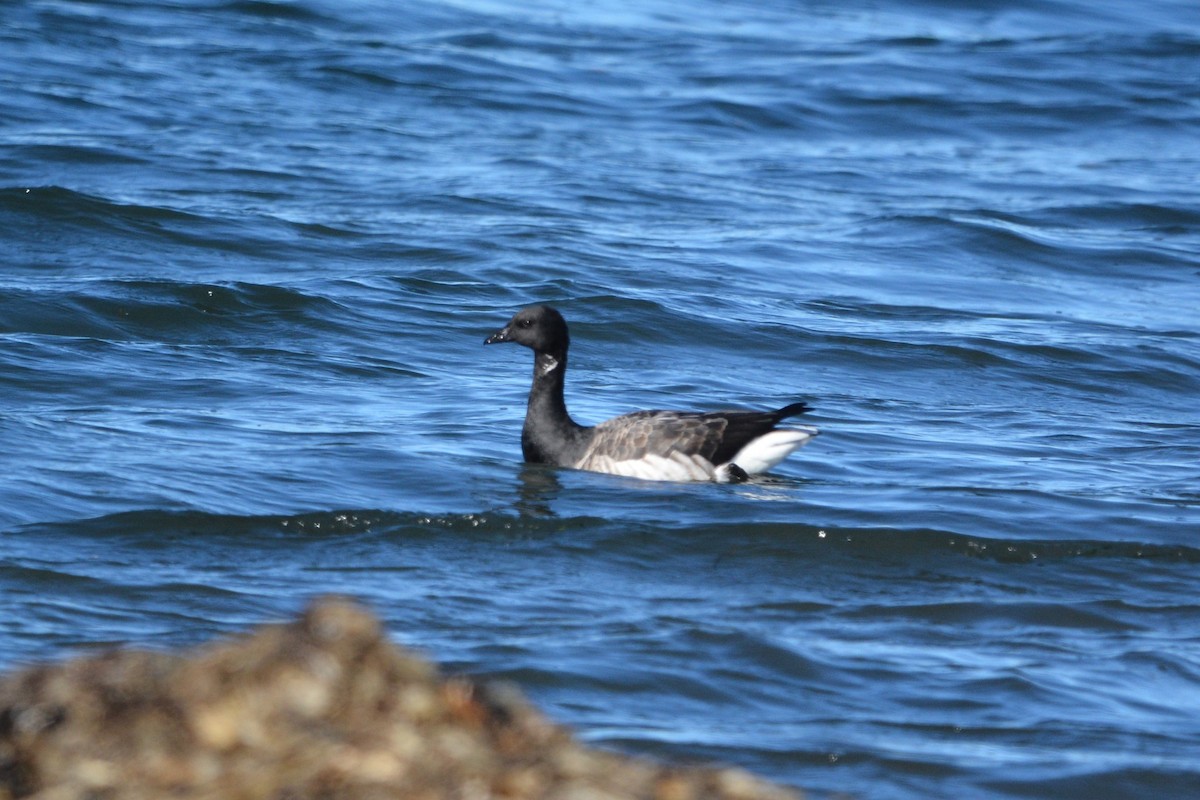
549	364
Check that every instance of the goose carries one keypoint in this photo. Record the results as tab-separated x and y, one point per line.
721	446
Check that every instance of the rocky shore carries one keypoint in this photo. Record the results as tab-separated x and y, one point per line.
322	707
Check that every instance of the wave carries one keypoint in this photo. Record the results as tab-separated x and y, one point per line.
762	539
139	231
56	203
170	311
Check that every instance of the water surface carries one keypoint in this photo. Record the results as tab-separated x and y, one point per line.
251	250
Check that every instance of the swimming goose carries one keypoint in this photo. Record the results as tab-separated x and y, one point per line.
722	446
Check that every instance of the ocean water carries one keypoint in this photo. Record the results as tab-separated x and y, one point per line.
250	251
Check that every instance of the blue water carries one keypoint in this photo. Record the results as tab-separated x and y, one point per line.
250	251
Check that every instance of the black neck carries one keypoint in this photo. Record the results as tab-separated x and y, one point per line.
550	435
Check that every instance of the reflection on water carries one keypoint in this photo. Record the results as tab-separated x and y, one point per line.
538	486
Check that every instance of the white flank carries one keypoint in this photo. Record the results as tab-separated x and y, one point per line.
674	466
760	454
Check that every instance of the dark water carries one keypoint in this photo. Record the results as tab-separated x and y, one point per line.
250	251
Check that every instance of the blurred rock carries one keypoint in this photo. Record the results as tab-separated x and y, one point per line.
324	707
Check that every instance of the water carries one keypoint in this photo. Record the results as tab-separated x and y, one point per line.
251	250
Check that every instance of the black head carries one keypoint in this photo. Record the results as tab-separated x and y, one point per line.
540	328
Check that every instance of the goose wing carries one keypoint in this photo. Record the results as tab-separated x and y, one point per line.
662	445
679	445
643	433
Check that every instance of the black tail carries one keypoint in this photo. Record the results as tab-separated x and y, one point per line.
742	426
794	410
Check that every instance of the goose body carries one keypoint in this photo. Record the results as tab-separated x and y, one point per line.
720	446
